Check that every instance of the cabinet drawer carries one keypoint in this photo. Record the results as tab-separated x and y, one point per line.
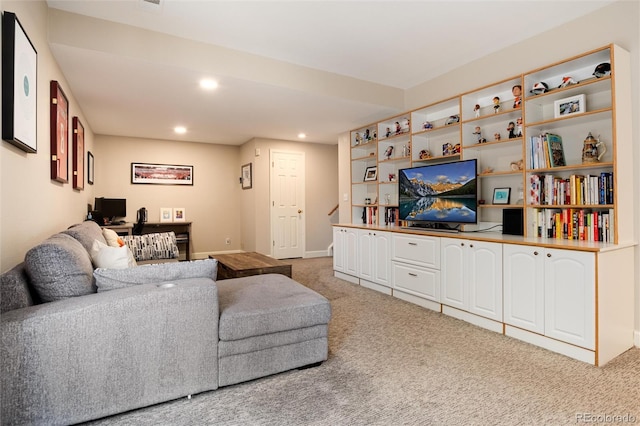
422	251
415	280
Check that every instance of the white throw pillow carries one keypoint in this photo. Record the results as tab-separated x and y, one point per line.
111	237
104	256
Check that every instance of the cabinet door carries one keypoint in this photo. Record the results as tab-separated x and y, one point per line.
382	258
484	278
453	291
523	284
365	254
422	282
338	249
351	252
570	297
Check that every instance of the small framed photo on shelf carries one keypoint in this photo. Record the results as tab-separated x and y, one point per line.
568	106
501	195
371	174
166	214
179	214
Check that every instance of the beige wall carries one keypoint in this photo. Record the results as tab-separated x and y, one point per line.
212	203
33	206
321	189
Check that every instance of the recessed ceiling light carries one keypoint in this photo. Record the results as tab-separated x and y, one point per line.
208	84
302	135
180	130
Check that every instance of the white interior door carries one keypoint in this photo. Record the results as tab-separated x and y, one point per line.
287	204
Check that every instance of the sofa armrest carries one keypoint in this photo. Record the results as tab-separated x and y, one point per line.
91	356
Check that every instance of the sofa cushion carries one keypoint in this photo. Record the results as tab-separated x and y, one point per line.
161	245
112	238
60	268
264	304
14	290
86	233
111	279
104	256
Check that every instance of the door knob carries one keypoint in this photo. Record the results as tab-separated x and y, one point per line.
299	211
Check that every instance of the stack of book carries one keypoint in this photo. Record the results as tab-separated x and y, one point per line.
574	224
576	190
546	151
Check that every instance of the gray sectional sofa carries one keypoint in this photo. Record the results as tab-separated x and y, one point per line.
79	343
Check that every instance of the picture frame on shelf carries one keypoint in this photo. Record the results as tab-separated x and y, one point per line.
371	174
161	174
501	196
246	178
179	214
569	106
90	168
78	154
59	114
166	214
19	85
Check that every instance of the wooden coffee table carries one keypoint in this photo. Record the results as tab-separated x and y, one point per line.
238	265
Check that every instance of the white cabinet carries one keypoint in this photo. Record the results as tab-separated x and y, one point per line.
374	256
416	268
523	287
472	277
569	295
345	250
551	292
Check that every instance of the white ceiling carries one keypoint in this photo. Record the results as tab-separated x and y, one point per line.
284	67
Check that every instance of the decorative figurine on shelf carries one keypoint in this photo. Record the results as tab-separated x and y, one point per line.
496	105
392	177
387	199
519	127
398	128
358	138
425	154
593	149
406	150
517	96
497	136
511	128
367	136
476	110
487	170
427	125
517	165
375	135
389	152
406	124
478	134
566	82
452	119
539	87
602	70
388	132
456	149
447	149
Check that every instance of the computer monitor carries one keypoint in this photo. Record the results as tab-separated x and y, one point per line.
111	208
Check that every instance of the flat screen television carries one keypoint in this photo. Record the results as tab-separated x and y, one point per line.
111	208
439	193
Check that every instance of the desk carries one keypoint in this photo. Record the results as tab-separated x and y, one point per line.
124	229
181	229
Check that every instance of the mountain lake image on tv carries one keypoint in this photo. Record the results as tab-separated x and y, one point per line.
445	192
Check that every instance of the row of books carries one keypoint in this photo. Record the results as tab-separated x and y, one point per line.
391	215
574	224
369	215
575	190
545	151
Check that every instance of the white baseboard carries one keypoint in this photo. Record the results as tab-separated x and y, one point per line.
206	254
318	253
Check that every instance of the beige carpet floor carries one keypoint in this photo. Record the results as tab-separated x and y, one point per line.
394	363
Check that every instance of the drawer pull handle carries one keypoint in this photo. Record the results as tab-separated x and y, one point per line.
411	274
413	244
535	253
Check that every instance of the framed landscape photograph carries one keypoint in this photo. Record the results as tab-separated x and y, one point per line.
19	86
501	195
78	154
162	174
568	106
371	174
59	133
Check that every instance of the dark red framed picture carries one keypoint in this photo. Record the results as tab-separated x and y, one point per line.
59	134
78	154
